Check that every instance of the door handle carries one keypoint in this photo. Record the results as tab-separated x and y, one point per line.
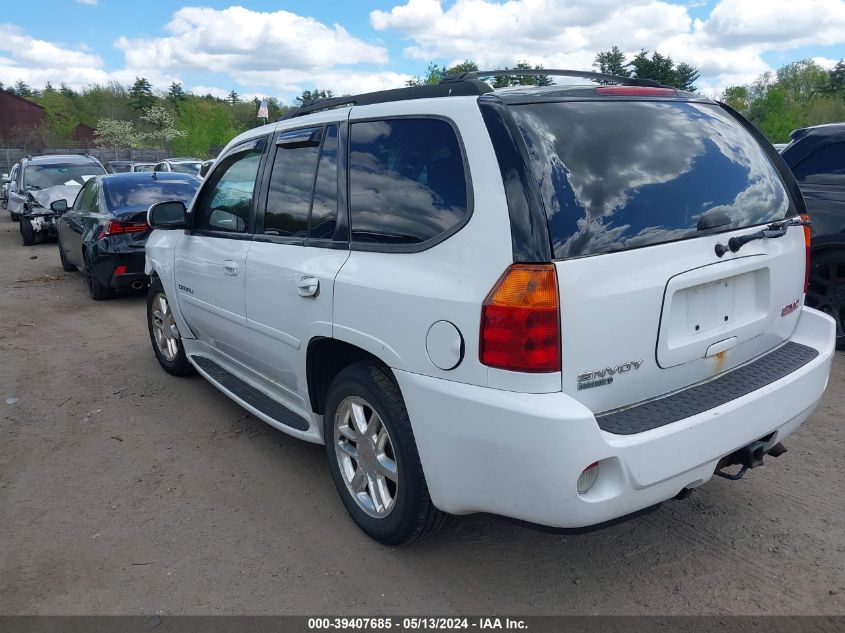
230	267
308	286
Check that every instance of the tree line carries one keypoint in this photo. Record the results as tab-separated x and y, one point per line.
799	94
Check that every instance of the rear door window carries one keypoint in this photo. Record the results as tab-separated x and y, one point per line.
825	166
626	174
292	183
407	182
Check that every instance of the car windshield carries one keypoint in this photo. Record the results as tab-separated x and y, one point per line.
186	168
144	167
43	176
142	192
625	174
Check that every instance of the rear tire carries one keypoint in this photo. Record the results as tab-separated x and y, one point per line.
97	290
373	452
826	291
27	232
171	356
66	265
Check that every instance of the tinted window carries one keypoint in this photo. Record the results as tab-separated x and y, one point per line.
406	180
44	176
291	183
140	193
324	207
226	201
825	166
618	175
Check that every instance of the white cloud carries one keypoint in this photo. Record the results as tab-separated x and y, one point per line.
727	46
236	40
31	52
91	3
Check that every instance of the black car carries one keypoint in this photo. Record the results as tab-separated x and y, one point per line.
816	156
105	232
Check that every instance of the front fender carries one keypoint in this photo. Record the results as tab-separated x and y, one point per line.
160	256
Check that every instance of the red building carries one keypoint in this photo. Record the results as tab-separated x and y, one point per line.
18	116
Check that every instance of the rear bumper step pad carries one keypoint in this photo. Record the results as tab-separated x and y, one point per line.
709	395
249	394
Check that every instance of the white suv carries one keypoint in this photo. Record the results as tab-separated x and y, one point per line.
563	305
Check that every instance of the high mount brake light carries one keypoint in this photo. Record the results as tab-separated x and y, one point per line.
119	227
635	91
520	321
807	241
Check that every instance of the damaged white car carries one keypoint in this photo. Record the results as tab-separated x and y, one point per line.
45	187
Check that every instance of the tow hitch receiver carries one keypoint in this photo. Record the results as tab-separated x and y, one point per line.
750	456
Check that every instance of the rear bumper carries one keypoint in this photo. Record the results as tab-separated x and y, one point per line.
109	258
520	455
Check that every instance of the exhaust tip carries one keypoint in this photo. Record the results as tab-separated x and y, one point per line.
137	285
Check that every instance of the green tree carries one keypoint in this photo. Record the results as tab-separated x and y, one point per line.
313	95
141	96
685	77
836	77
161	127
176	93
433	75
465	66
612	62
234	98
736	97
802	80
22	89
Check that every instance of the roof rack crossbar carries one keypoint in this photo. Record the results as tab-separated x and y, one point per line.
469	87
557	72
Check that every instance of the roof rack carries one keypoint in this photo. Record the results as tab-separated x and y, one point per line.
457	88
581	74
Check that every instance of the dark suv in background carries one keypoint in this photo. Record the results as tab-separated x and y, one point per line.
816	156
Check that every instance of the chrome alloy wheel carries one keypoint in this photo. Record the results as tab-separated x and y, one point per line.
164	328
365	456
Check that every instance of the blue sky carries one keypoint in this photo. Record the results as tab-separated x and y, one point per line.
281	47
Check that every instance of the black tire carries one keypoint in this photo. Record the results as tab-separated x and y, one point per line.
827	288
97	290
178	366
413	513
66	265
15	216
27	232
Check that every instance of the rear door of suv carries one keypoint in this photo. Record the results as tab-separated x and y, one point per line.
638	192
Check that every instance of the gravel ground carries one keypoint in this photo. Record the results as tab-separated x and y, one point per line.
126	491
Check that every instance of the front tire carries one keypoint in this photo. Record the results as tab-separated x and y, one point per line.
66	265
27	232
164	335
373	456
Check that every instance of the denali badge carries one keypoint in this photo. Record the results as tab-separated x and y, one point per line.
792	307
600	377
185	289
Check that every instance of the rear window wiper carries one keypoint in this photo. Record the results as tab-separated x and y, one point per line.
775	229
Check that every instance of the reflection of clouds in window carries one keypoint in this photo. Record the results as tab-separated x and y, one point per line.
146	192
622	174
407	181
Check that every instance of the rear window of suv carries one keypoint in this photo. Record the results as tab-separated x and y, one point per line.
407	183
625	174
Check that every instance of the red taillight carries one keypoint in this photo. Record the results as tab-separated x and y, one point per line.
520	320
635	91
120	270
807	240
119	227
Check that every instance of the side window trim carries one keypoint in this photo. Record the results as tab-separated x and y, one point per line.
441	237
252	143
342	209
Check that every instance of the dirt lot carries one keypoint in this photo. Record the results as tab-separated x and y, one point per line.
126	491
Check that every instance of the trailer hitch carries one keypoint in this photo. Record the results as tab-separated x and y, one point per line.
750	456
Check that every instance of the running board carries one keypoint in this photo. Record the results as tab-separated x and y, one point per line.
249	394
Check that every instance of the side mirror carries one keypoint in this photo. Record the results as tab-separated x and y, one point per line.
168	215
58	206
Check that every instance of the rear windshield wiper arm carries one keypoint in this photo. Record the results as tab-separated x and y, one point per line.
775	229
